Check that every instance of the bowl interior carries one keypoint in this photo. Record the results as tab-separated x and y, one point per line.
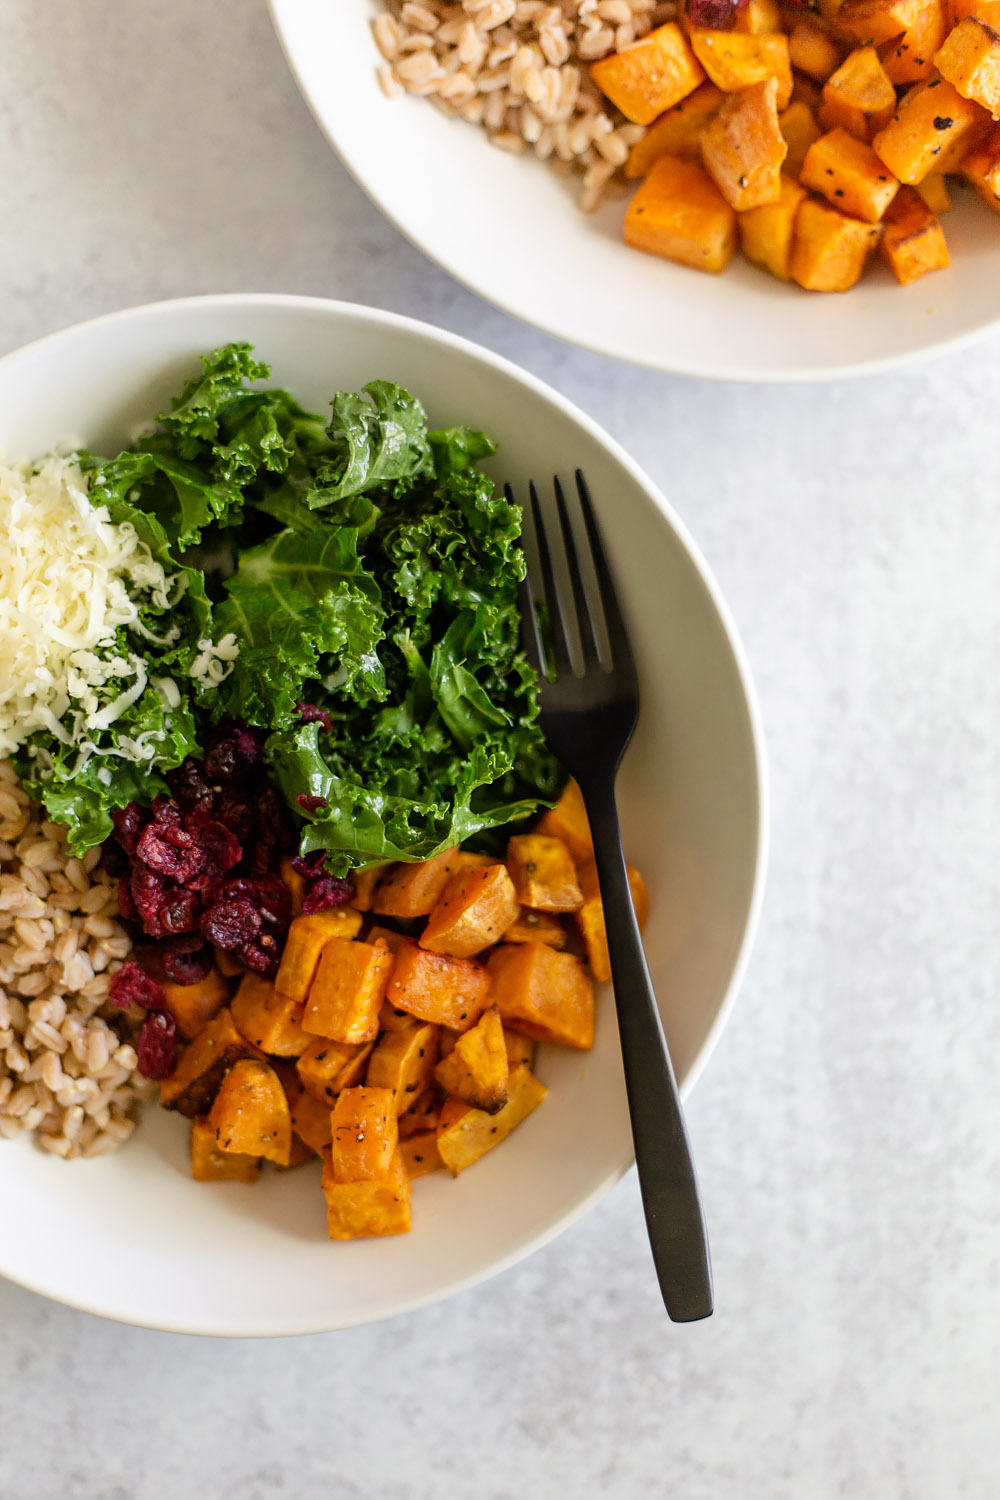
510	230
131	1236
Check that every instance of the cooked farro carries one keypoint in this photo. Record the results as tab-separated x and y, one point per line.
519	69
67	1071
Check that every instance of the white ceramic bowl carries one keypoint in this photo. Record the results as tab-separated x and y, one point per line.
131	1236
511	231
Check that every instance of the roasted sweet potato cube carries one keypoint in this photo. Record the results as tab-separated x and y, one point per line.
295	882
300	1153
833	114
377	1206
679	214
413	890
422	1114
193	1005
829	249
932	122
982	169
805	91
934	191
536	927
520	1049
365	1134
590	918
862	83
878	20
228	964
387	936
420	1154
759	18
306	939
813	51
466	1134
365	882
910	58
272	1021
250	1112
403	1061
798	126
543	873
209	1163
766	239
986	10
347	993
678	132
912	241
970	60
590	886
743	147
391	1019
311	1121
476	1069
194	1082
568	821
326	1067
734	61
650	76
474	912
546	994
448	991
850	175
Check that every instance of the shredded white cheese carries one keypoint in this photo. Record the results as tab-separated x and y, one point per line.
214	661
66	571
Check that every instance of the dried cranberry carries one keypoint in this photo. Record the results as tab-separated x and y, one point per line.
310	866
233	752
187	960
173	852
129	822
148	890
273	826
190	786
719	15
133	986
166	813
179	912
126	905
310	714
268	894
221	848
261	957
309	803
156	1046
325	892
233	811
231	924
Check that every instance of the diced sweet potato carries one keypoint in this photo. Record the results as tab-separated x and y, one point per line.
679	214
546	994
536	927
420	1154
834	114
934	191
365	882
326	1067
970	61
359	1210
389	938
365	1134
805	91
227	964
862	83
913	241
474	912
543	873
678	132
300	1153
209	1163
306	940
413	890
829	249
311	1121
743	147
932	122
347	993
295	882
813	51
272	1021
759	18
194	1082
568	819
986	10
650	76
734	61
982	169
476	1069
590	917
910	58
849	173
466	1134
520	1049
422	1114
403	1061
250	1112
447	991
878	20
799	128
766	239
193	1005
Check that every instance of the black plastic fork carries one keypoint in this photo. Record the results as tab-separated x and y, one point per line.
588	721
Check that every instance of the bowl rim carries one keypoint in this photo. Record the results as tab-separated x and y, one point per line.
150	311
703	370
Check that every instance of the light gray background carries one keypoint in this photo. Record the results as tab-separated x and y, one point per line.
848	1128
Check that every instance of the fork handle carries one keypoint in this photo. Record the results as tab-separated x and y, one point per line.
674	1218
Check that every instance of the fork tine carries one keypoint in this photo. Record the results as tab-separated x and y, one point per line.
621	651
553	601
584	614
531	640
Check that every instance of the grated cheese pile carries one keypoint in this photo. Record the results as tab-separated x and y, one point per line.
69	581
